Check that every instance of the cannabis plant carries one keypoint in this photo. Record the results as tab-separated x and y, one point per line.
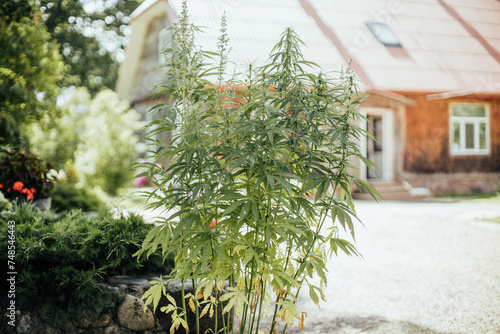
256	184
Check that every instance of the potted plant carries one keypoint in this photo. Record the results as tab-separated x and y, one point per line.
24	177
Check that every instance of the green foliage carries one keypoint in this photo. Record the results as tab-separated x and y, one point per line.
67	196
30	70
254	169
4	203
64	257
89	41
95	138
14	10
23	175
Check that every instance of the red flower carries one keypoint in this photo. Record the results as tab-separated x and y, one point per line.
29	196
213	223
18	186
1	186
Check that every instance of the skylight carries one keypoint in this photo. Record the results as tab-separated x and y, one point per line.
384	34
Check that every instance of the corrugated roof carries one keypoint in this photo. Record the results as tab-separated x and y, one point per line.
442	55
449	45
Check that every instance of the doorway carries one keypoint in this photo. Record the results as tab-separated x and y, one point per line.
379	149
375	147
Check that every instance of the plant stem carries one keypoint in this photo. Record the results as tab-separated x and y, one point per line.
196	307
184	301
262	294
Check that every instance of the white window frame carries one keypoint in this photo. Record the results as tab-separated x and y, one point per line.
476	121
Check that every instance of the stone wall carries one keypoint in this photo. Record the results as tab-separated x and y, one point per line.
125	316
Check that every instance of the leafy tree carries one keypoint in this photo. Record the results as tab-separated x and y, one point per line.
92	41
30	70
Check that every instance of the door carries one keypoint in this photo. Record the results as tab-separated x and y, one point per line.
379	149
375	147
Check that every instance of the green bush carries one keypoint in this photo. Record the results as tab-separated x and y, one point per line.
66	196
95	138
23	175
62	258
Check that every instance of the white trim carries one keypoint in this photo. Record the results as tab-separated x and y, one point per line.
387	141
462	121
142	8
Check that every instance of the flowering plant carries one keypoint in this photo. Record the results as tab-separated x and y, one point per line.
23	175
257	185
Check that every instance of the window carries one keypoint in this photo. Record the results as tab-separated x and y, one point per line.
384	34
469	129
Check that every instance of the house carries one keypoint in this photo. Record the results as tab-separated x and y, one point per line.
430	68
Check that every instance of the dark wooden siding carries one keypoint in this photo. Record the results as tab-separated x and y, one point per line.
427	139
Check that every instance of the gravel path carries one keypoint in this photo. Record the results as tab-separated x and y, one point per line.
428	268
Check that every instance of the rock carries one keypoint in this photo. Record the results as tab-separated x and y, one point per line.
115	329
29	324
131	315
122	288
94	321
50	330
117	280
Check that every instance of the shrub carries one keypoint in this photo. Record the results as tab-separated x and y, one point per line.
23	175
66	196
64	257
95	138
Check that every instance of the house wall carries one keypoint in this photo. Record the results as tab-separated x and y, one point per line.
427	158
149	72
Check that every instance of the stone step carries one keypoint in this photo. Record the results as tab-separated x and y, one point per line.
393	191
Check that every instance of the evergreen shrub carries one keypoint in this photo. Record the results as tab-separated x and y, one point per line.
63	258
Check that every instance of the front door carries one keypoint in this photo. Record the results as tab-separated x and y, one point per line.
375	147
378	149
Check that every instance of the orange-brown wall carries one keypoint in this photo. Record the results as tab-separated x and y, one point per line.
427	139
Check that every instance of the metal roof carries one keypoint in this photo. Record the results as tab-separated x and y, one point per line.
254	27
447	45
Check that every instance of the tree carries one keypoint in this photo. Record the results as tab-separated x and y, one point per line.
91	41
30	70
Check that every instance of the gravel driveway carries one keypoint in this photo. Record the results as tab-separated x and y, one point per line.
428	268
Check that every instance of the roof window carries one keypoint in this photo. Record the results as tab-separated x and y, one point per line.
384	34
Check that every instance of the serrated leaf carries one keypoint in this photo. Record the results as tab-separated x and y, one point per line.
154	293
171	300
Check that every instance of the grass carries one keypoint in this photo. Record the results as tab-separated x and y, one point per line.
495	220
493	196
